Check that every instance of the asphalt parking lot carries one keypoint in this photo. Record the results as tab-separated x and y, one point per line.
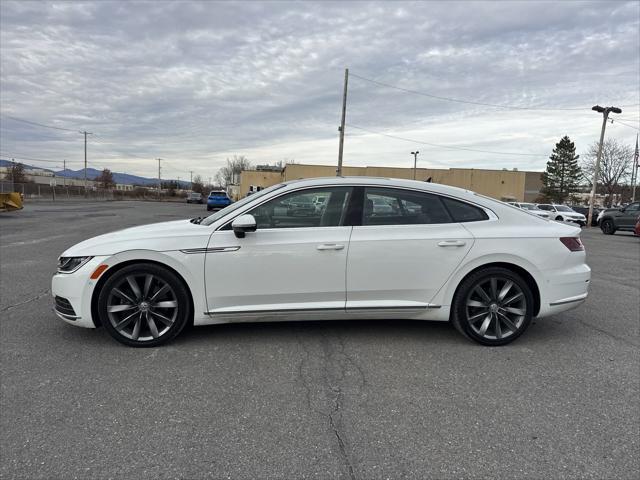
366	400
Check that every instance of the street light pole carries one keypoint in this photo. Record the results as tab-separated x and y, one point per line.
415	162
596	171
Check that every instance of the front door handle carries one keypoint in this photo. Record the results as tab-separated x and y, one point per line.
330	246
452	243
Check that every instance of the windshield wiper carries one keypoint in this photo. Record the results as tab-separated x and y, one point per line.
197	220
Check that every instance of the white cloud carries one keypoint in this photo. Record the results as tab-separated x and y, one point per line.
194	82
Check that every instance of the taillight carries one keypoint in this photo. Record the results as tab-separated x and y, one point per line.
572	243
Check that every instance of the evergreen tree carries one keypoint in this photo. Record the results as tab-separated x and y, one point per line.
563	174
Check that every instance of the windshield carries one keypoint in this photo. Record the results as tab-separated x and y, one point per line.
562	208
528	206
240	203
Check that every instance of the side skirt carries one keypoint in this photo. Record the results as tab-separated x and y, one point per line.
434	312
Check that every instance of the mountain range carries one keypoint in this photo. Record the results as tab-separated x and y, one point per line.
92	173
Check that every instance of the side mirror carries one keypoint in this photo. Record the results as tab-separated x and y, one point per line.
243	224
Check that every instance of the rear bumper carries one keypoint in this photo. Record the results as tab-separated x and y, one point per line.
565	289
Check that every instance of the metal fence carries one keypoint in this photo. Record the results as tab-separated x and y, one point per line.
35	191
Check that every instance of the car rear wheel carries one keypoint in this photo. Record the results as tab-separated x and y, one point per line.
144	305
607	227
493	306
559	218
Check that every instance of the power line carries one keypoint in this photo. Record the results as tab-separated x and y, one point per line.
29	122
446	146
471	102
21	157
623	123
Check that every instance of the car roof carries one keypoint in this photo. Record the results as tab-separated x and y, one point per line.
383	182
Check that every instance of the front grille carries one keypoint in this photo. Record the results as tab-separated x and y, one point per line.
64	307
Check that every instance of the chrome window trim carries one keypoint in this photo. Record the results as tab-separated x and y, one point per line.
490	213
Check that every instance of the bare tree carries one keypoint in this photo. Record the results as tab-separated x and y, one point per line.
230	173
16	174
615	166
105	179
198	185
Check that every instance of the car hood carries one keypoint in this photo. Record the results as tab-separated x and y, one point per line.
161	237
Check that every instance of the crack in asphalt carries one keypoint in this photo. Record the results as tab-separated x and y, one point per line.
44	293
336	368
608	334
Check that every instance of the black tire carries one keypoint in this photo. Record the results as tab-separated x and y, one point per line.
161	307
559	218
498	331
607	227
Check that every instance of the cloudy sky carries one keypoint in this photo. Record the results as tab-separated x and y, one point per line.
196	82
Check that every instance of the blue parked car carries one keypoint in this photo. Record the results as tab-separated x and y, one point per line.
217	199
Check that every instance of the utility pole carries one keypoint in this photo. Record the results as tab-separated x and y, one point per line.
634	177
64	172
85	133
13	171
191	182
605	114
159	183
344	114
415	162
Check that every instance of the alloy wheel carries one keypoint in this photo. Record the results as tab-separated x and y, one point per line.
142	307
496	308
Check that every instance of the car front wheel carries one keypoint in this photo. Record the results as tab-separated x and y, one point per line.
607	227
144	305
493	306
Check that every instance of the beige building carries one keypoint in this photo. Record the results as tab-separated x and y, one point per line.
501	184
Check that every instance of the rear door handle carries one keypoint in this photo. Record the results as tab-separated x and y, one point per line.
330	246
452	243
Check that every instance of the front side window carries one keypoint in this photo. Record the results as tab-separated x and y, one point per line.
301	209
385	206
562	208
239	204
548	208
634	207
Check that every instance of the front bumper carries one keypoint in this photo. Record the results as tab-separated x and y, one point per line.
74	292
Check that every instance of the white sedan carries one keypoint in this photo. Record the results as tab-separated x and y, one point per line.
442	254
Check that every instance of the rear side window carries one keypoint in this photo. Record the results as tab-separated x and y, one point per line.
386	206
464	212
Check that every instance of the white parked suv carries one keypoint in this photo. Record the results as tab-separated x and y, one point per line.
531	208
441	253
562	213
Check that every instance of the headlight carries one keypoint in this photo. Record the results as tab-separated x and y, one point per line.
71	264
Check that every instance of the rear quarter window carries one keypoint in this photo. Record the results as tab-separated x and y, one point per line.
464	212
